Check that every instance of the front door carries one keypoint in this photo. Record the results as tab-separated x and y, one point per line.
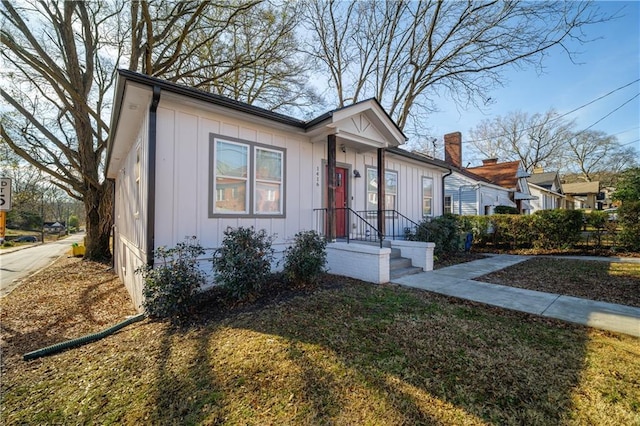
341	202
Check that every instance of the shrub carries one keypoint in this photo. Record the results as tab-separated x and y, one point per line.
170	286
8	243
479	226
557	228
513	230
629	221
599	220
305	259
243	263
444	231
505	210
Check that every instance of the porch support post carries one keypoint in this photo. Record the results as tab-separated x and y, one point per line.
381	193
331	187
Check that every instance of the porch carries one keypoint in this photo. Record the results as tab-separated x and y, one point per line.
366	253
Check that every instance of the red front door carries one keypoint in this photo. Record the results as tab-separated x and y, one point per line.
341	202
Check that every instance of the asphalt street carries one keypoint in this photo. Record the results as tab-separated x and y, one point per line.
17	264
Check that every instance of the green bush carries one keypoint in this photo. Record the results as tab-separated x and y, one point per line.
505	210
629	221
479	226
444	231
597	218
515	231
305	259
170	286
8	243
557	228
242	264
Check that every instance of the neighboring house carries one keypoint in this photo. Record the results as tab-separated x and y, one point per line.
547	188
465	192
583	195
186	162
479	190
52	227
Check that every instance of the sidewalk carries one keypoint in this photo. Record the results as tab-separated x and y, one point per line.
457	281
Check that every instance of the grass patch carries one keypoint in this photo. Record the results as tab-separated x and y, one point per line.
596	280
344	353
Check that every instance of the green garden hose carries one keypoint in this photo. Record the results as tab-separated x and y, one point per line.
59	347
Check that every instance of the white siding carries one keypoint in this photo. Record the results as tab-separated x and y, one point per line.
130	215
462	201
183	177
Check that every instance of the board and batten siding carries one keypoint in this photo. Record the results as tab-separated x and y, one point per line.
184	174
130	215
410	174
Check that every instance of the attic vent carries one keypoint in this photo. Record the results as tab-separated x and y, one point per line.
361	123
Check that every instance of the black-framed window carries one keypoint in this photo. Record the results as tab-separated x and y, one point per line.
247	179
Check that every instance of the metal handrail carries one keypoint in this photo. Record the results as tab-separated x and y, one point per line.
407	225
364	231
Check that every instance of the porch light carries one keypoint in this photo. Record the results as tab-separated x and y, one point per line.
356	174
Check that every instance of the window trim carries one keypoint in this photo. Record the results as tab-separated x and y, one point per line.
367	192
450	197
251	178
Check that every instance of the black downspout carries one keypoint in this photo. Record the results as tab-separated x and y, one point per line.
444	192
113	225
151	176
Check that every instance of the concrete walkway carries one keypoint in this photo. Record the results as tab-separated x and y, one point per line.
457	281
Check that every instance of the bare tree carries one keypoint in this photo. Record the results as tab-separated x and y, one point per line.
245	51
537	140
60	58
592	152
57	91
407	54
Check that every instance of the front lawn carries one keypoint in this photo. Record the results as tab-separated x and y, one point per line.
345	353
596	280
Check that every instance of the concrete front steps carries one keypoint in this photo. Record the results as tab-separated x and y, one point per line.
400	266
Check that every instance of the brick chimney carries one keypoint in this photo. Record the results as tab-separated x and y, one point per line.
453	149
489	161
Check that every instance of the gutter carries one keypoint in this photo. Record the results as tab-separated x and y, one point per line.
151	175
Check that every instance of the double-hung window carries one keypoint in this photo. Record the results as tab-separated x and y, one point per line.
247	179
427	196
390	189
448	207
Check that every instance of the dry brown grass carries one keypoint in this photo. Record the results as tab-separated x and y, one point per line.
346	353
596	280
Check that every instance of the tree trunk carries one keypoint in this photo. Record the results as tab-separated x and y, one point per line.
98	204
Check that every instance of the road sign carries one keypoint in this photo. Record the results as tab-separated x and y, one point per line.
5	194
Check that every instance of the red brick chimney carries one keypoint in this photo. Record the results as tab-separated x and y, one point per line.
489	161
453	149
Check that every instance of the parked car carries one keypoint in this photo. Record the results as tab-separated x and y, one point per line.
26	239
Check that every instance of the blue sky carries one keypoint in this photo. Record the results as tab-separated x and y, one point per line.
605	64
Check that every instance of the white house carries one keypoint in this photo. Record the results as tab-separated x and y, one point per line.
189	163
547	189
469	193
